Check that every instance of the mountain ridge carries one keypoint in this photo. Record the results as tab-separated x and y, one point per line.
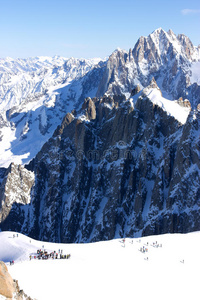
60	85
112	156
95	180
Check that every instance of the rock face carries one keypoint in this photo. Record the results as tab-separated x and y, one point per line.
15	189
19	294
115	168
6	282
9	288
162	55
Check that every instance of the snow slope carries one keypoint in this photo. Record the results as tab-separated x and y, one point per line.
107	270
172	108
35	95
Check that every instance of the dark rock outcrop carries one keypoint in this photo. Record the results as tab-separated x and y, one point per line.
118	168
15	189
136	90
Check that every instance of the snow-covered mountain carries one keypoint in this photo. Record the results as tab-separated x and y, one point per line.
124	160
36	93
172	60
114	168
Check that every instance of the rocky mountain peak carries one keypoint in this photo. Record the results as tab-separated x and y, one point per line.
118	56
171	33
152	85
160	43
90	109
184	103
187	45
151	47
160	36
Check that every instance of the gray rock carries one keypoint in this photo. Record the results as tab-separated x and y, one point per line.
112	170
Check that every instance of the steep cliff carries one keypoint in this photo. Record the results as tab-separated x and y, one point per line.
15	189
115	168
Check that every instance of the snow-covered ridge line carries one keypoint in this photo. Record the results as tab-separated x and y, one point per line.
23	78
178	109
172	108
32	64
179	42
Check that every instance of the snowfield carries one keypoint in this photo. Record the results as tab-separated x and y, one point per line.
172	108
107	270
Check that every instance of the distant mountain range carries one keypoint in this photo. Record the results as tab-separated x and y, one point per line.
111	146
36	93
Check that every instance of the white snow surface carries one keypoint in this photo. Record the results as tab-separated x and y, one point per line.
109	269
171	107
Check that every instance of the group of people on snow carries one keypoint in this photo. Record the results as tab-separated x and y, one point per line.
43	254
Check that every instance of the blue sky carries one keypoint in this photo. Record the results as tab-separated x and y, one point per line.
89	28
